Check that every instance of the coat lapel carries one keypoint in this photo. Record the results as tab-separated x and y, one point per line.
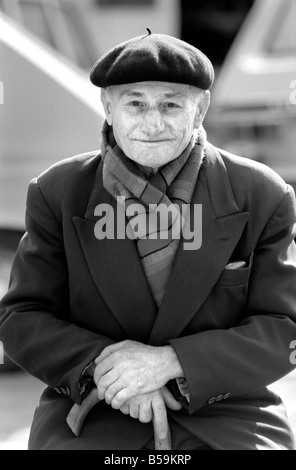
196	272
116	269
119	276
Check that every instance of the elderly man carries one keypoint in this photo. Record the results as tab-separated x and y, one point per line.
197	332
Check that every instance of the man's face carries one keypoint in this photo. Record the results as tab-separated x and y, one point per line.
153	122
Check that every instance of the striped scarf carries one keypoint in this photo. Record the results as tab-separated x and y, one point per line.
159	217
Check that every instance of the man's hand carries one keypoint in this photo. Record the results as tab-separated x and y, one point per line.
144	407
127	369
152	407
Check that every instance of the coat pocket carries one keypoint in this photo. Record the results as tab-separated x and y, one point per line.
236	277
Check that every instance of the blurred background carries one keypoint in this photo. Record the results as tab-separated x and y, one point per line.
50	111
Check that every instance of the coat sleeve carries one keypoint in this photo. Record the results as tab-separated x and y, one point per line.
256	353
35	322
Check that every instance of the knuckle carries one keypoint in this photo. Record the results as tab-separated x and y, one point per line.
123	345
140	384
116	357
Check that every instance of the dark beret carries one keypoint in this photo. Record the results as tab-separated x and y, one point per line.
153	57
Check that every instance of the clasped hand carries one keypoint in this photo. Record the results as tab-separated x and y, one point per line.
152	406
128	369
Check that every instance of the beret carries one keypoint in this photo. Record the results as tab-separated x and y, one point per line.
153	57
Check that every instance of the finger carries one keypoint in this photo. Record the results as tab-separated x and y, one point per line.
125	410
101	370
134	410
121	397
160	420
145	412
112	391
108	351
105	383
170	400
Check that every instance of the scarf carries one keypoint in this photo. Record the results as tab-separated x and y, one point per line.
158	201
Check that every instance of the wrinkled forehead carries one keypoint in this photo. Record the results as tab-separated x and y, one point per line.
155	90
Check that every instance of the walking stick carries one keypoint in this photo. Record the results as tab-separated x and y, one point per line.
78	414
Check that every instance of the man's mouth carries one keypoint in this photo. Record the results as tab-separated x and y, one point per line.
158	141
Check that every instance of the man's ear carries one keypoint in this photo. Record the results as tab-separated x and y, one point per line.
202	109
105	98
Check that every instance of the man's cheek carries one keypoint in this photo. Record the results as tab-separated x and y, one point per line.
183	126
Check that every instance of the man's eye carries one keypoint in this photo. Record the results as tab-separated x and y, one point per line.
172	105
135	104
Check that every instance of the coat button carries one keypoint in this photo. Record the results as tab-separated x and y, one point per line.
220	398
228	395
212	401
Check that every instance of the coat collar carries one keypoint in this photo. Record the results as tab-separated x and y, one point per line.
118	273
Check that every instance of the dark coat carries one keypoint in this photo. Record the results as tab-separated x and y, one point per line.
72	295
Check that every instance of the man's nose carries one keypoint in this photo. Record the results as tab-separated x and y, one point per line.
153	123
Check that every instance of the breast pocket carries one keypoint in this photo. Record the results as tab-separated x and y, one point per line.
236	277
225	306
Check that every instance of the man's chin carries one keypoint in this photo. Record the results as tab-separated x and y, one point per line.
154	159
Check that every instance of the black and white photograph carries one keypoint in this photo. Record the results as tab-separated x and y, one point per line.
147	227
